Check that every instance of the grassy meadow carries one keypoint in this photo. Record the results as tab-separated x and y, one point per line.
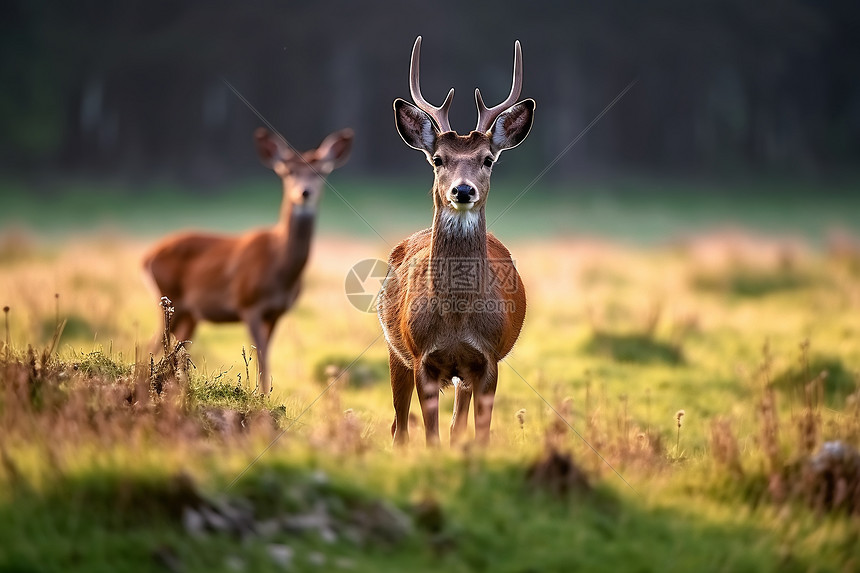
737	308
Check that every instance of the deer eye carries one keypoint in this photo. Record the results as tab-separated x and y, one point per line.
488	162
437	161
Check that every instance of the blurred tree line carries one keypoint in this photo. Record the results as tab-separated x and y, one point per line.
136	89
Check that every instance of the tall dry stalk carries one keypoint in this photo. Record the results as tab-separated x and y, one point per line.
256	358
247	369
167	309
521	418
679	417
724	446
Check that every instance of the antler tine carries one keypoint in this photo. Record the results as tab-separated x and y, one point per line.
439	114
486	117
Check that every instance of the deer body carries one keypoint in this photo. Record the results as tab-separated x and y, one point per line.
253	278
453	303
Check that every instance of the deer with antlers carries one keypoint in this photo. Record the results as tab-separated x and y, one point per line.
453	304
256	277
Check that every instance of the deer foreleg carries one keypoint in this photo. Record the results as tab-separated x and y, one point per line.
402	384
485	394
183	326
261	331
428	397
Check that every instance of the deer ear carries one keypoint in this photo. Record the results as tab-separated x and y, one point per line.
270	147
512	126
335	149
415	126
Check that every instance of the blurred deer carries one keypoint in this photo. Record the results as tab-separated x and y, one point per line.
453	304
256	277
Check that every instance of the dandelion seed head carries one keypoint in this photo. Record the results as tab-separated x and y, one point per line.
521	417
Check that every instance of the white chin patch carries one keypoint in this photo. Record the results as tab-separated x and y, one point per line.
462	206
464	219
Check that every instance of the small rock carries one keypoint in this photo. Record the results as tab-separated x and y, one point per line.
328	535
316	558
193	522
268	527
215	520
382	521
240	516
318	520
831	478
281	555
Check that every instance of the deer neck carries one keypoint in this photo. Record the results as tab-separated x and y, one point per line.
458	251
294	234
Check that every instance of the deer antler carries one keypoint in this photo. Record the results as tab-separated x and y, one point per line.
486	117
439	114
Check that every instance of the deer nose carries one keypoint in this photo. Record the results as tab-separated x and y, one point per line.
463	193
306	193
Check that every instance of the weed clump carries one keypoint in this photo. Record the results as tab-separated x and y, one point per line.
634	347
556	473
724	447
746	281
639	345
834	379
349	371
830	479
172	368
77	327
99	364
823	476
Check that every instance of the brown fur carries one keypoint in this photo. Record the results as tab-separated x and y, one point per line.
256	277
453	304
429	345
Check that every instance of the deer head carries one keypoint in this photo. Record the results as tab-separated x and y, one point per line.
303	174
462	164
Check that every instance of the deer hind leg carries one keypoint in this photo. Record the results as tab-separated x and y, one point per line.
402	384
427	383
462	399
485	394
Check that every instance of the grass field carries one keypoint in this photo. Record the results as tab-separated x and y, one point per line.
639	307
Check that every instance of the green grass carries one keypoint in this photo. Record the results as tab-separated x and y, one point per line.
617	339
489	519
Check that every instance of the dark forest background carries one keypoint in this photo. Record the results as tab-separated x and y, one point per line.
135	90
